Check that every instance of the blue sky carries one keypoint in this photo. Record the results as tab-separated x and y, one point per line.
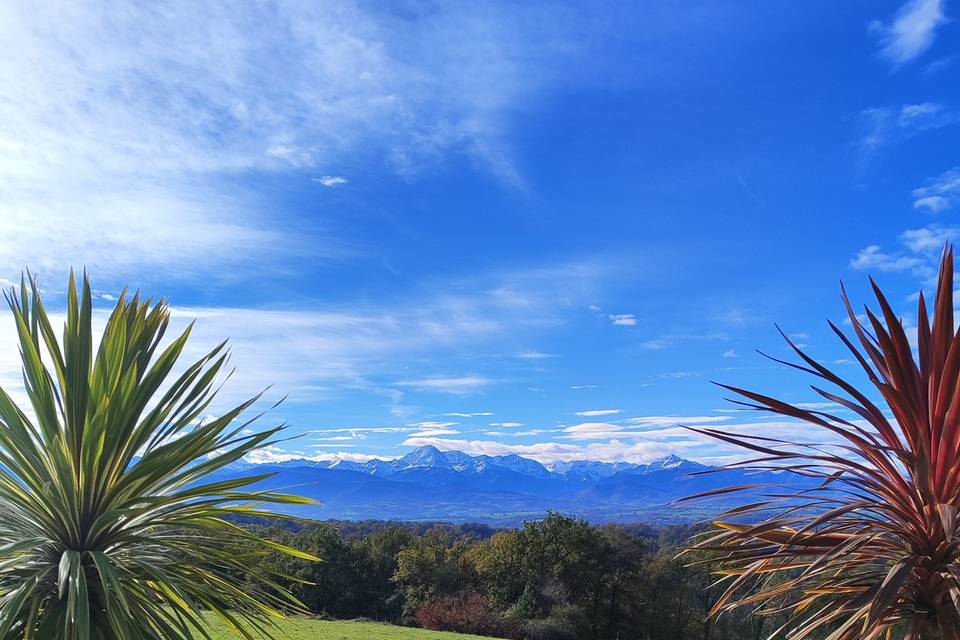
491	227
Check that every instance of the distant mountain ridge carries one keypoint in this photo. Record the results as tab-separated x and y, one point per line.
429	484
431	457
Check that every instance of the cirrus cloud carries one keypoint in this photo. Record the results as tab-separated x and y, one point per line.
911	32
134	124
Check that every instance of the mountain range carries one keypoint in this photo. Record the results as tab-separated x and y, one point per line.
432	485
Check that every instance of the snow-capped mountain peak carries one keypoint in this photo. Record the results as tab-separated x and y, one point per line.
425	456
429	458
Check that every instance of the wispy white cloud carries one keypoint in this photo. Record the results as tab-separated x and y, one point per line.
677	375
874	258
748	190
659	421
936	204
638	427
598	412
940	64
610	444
596	431
817	406
433	433
729	353
925	116
535	355
655	344
508	425
331	181
277	454
733	317
911	32
313	354
458	414
181	230
876	127
549	452
457	385
360	431
433	424
919	256
883	126
623	319
130	124
583	386
357	348
844	362
519	434
930	238
940	193
649	438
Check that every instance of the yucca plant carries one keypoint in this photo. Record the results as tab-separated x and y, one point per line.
110	527
870	548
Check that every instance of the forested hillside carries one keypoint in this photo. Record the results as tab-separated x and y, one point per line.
559	578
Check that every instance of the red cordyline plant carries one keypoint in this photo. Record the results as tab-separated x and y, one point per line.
870	548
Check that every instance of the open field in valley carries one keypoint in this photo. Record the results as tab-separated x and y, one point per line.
305	629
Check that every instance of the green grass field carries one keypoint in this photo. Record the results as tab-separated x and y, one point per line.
303	629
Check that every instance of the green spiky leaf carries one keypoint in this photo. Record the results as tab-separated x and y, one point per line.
109	526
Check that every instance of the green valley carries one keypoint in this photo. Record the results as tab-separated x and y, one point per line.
306	629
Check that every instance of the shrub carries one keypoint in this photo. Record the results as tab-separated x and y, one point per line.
465	613
565	622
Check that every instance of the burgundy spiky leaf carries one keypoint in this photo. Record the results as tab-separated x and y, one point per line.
874	546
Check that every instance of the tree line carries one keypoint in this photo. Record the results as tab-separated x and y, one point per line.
555	579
